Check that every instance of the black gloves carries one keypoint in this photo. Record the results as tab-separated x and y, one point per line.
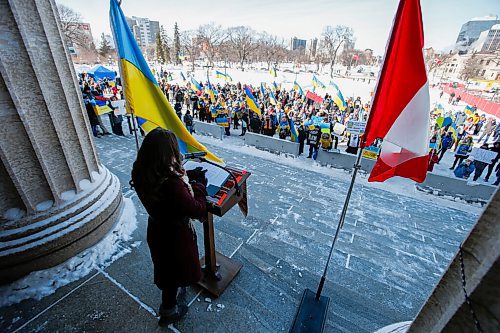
197	175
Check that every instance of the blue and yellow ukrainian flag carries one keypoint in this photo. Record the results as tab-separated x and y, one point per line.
142	92
214	110
195	85
317	83
210	91
101	107
272	98
275	86
222	121
251	102
224	76
337	97
294	136
272	71
298	88
469	110
262	90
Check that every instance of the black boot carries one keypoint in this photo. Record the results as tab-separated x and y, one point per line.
169	316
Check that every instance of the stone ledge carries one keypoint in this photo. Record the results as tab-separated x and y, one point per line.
214	130
76	233
271	143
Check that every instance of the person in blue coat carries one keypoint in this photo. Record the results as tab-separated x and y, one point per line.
465	168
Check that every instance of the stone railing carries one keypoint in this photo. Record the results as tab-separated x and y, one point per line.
209	129
271	144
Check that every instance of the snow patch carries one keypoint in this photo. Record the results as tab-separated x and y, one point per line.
43	206
85	184
68	195
397	185
173	329
12	214
43	283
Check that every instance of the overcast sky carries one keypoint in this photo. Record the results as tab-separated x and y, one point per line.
370	19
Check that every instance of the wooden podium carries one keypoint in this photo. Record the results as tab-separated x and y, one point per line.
219	270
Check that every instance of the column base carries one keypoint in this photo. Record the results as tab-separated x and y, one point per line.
51	237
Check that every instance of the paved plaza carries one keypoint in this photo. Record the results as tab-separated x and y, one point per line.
391	252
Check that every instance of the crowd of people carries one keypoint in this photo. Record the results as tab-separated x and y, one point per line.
284	113
103	97
287	114
459	132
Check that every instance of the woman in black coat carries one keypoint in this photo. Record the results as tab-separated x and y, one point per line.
172	198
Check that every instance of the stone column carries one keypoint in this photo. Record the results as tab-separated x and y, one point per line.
55	197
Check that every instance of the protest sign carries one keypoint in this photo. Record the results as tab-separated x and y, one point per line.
356	127
338	129
483	155
371	152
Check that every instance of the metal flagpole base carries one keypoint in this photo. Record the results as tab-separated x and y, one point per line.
311	315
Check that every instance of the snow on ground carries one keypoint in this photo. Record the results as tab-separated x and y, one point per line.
42	283
395	185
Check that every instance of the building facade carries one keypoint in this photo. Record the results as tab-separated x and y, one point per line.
311	47
143	29
297	44
479	66
492	41
471	30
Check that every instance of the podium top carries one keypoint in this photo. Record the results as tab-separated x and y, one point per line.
216	177
227	195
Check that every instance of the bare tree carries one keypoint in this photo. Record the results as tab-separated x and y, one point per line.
471	69
270	49
435	61
210	36
242	41
333	38
190	44
71	27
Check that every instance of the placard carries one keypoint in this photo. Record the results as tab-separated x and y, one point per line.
338	129
371	152
356	127
483	155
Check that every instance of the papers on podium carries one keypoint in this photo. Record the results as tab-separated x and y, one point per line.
216	177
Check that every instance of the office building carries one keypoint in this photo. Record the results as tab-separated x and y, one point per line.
143	29
471	30
297	44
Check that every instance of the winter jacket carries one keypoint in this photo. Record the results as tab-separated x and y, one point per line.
170	236
313	137
188	120
463	170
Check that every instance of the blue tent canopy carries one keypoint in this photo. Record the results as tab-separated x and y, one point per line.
100	72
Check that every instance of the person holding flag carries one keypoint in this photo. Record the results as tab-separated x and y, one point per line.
211	91
273	71
196	86
272	98
251	101
297	87
337	97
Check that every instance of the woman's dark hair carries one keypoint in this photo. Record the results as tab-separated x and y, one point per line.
158	159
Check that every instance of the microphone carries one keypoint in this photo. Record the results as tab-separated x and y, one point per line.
198	154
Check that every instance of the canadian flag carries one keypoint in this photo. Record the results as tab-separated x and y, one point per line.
400	108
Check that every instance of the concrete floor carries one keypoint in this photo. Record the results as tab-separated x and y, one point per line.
391	252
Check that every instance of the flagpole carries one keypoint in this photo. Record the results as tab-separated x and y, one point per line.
355	169
122	80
